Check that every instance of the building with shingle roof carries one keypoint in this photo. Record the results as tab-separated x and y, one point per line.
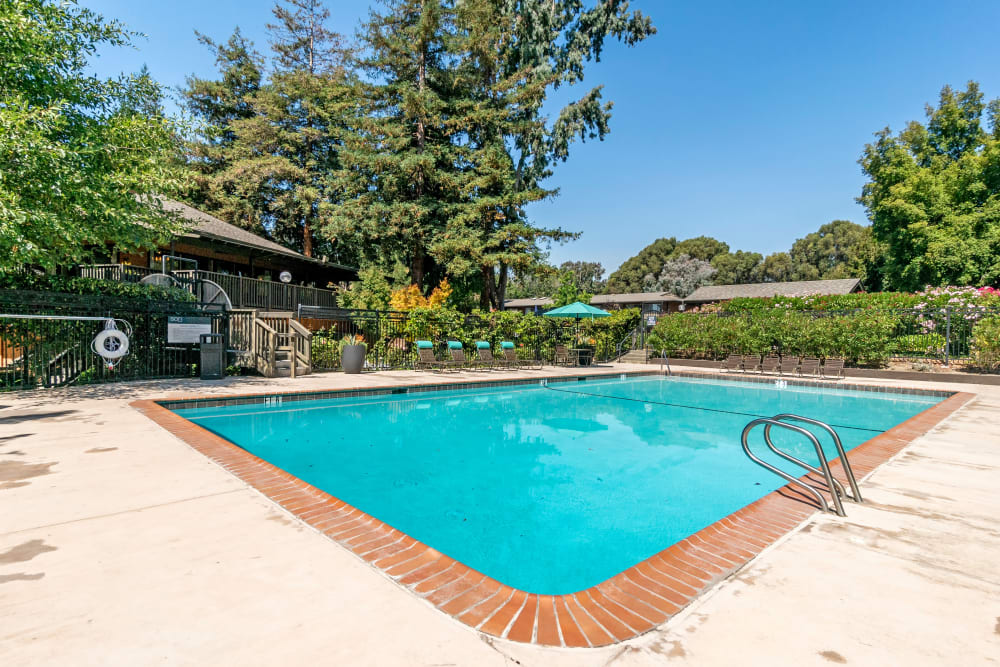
801	288
218	246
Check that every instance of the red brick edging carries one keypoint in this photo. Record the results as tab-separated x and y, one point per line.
624	606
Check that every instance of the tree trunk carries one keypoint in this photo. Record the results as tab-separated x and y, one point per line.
486	295
417	265
501	290
307	238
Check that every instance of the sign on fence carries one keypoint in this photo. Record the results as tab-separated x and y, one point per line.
185	329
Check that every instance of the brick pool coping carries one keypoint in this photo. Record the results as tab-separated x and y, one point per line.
622	607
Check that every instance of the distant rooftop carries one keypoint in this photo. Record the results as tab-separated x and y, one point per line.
635	297
530	302
764	290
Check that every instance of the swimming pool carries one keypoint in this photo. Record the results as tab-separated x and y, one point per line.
547	489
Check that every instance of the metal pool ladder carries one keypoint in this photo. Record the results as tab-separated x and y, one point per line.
836	488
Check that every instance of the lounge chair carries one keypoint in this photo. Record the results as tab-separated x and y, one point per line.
510	356
788	365
734	362
751	363
563	357
486	357
833	369
809	367
770	364
426	359
458	357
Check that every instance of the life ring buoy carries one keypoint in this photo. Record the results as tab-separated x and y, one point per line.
111	344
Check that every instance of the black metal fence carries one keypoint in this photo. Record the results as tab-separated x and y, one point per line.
384	333
967	337
46	338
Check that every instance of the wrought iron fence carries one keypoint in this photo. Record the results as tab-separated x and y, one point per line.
948	335
383	332
45	339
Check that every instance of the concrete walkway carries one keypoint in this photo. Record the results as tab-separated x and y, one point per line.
120	545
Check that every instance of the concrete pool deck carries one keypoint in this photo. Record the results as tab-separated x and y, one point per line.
121	545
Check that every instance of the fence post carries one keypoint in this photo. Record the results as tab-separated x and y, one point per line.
947	334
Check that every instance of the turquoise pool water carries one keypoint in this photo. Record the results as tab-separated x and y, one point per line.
549	489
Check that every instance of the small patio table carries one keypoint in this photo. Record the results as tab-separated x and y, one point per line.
582	355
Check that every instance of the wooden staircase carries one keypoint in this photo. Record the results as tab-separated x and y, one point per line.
281	346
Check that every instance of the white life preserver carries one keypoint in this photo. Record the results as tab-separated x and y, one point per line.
111	344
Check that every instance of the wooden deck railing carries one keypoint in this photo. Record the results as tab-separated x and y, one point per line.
121	273
243	292
269	294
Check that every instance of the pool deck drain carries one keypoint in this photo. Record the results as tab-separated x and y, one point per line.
623	607
120	545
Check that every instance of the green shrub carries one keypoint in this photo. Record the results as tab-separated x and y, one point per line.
864	337
985	344
918	345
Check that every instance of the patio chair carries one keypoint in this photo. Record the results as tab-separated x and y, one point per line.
732	363
510	355
751	363
458	357
486	357
426	359
788	365
770	364
563	357
833	369
809	367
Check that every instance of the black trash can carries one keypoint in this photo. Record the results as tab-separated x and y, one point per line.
213	356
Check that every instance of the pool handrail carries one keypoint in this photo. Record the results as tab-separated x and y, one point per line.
844	462
833	485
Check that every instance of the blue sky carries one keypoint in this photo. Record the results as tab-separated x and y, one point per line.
738	120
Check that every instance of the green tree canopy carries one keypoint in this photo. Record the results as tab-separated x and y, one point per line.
737	268
216	105
776	268
933	194
630	275
839	249
269	150
80	156
511	56
568	292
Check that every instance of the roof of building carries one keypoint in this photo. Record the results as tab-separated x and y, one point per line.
530	302
764	290
635	297
207	226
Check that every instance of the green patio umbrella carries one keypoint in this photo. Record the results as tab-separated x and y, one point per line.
577	311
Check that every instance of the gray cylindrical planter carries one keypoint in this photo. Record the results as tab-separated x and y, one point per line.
353	358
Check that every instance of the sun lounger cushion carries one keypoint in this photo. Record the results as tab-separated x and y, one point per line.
425	345
482	345
507	345
454	345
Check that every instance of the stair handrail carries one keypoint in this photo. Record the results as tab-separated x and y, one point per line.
844	462
834	486
301	343
265	352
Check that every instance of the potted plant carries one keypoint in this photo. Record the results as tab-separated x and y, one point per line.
352	353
